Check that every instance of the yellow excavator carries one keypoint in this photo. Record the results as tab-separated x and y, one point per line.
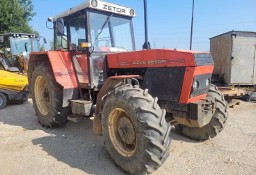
14	53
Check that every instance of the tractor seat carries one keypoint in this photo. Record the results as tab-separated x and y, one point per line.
4	62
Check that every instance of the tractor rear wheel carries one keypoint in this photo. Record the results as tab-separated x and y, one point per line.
135	131
47	98
3	101
217	123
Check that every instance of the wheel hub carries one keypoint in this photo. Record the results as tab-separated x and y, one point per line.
126	130
46	95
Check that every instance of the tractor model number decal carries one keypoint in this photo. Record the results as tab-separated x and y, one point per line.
154	62
150	62
113	8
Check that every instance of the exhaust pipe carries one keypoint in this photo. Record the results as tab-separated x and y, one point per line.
146	45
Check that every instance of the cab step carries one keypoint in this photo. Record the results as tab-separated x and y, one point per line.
82	107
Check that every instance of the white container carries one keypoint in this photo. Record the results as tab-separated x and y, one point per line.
234	55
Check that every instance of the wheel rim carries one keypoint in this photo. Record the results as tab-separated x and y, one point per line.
42	95
122	132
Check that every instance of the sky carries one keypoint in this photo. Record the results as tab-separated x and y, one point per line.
169	21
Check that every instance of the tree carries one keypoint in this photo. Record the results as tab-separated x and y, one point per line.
15	16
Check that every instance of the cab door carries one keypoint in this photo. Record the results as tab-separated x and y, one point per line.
78	34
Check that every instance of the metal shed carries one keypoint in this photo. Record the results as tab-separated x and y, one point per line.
234	55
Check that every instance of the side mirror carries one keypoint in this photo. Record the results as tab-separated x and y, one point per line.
60	27
51	21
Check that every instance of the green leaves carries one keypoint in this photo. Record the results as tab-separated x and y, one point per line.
15	15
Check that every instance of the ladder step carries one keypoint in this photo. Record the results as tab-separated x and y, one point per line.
82	107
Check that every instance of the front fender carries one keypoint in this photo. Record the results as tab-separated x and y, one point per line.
109	84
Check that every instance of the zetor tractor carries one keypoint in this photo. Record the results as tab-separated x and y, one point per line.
134	96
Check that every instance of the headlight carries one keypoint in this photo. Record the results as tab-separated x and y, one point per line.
195	85
200	85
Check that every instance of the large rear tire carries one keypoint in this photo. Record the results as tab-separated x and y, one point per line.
47	98
135	131
217	123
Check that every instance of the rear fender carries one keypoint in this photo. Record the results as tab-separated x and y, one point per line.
63	71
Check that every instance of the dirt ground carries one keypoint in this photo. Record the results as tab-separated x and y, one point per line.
26	148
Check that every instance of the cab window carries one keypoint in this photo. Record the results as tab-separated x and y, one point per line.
77	32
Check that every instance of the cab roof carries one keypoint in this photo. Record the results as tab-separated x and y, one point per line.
98	5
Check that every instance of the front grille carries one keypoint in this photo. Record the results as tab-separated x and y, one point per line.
164	83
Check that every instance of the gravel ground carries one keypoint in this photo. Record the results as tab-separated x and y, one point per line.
26	148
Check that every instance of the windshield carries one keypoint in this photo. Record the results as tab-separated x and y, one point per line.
110	33
21	44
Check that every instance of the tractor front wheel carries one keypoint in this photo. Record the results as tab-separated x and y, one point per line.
217	123
47	98
135	131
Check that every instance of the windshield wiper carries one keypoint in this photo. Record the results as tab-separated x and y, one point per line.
102	28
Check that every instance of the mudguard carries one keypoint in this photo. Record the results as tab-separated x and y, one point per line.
110	83
63	71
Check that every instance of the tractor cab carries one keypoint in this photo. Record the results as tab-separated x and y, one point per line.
88	32
102	26
15	49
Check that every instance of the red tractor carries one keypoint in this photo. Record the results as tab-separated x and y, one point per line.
134	96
